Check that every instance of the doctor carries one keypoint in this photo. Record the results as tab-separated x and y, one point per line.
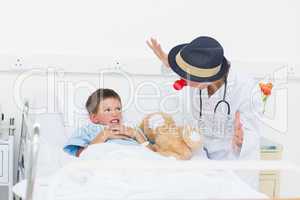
215	90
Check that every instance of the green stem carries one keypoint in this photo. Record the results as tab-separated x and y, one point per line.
264	99
264	109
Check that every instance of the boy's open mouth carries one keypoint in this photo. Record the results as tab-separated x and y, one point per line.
115	121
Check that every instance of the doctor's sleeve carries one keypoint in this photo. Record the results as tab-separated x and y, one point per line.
251	113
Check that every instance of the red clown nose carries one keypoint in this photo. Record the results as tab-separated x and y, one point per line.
179	84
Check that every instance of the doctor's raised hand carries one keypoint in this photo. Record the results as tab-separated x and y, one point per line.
156	48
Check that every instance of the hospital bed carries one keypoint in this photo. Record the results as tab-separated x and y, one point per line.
44	170
71	170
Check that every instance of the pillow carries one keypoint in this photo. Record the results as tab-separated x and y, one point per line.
52	128
51	156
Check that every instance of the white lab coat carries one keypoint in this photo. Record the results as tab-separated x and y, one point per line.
243	95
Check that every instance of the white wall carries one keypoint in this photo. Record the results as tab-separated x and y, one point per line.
249	31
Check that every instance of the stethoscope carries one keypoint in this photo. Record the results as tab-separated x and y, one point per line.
219	102
179	84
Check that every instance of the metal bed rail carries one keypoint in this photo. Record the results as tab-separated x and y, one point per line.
28	152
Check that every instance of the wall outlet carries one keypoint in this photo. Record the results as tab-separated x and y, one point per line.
18	63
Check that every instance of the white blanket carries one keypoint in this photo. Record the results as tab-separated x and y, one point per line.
114	151
111	171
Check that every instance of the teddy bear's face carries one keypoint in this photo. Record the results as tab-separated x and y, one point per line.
157	124
169	139
162	127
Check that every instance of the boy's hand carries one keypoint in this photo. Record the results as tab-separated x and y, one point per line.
120	131
128	132
109	133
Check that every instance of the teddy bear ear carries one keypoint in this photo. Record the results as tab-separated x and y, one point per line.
168	118
142	125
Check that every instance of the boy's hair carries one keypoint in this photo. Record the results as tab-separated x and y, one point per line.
96	97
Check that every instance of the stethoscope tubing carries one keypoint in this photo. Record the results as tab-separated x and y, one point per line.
219	102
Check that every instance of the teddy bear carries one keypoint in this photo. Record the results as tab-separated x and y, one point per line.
168	139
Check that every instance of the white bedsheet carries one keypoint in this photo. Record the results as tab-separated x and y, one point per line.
101	173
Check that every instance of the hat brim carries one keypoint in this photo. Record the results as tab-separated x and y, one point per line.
174	66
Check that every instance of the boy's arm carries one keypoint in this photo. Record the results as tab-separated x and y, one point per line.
79	151
100	138
81	139
75	144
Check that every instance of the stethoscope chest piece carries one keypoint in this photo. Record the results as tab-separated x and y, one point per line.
217	124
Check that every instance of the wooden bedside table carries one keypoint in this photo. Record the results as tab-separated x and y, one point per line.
7	162
269	182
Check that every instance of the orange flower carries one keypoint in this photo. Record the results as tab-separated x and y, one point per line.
266	88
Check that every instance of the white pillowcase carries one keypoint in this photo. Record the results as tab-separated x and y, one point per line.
52	128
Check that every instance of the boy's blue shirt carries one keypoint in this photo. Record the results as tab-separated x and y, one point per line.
83	136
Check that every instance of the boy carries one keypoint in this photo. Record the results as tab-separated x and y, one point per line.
105	111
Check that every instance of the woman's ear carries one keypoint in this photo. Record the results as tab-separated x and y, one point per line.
94	118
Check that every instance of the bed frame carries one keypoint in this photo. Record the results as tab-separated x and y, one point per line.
28	151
